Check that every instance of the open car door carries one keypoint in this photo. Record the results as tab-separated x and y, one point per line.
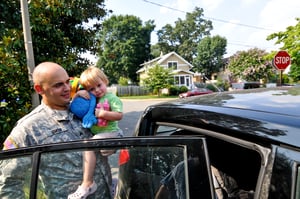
141	167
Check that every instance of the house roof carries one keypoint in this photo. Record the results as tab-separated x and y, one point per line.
161	59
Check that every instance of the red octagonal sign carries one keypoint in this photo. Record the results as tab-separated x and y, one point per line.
282	60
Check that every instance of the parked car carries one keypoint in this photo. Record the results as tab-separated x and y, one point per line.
253	136
162	155
194	92
246	85
250	138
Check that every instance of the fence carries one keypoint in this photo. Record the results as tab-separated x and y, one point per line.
128	90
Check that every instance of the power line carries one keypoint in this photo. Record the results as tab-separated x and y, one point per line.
247	45
212	18
222	21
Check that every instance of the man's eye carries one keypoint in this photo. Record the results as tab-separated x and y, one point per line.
57	85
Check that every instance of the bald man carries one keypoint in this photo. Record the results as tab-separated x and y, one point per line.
50	122
51	81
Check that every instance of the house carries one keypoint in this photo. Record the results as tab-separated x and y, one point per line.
180	68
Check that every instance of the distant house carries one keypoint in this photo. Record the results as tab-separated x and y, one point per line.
180	68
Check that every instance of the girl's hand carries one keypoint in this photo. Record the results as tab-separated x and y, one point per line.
82	93
99	112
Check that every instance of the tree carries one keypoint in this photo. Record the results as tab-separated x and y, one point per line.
62	32
123	44
185	36
59	33
290	40
158	78
210	53
250	65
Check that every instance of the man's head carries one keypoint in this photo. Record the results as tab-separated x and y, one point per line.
51	81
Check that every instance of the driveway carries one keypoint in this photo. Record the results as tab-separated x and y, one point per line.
132	110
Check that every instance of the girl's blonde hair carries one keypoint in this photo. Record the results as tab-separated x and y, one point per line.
91	76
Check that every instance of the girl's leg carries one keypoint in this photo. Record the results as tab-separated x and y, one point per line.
89	165
88	186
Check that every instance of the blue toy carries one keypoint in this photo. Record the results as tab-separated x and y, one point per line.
85	110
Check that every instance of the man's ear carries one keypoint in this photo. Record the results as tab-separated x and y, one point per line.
38	88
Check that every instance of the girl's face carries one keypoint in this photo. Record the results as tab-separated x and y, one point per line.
98	89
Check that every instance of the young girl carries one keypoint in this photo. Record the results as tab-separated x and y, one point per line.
95	81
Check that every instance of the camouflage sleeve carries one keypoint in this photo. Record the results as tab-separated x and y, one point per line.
13	177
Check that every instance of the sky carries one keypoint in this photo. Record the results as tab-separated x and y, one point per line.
244	23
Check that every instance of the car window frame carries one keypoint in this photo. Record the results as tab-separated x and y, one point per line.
36	152
267	154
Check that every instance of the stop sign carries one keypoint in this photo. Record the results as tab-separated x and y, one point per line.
282	60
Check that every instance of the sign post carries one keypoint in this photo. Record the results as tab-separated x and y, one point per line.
281	61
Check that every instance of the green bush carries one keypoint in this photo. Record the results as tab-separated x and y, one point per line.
15	95
174	90
211	87
123	81
183	89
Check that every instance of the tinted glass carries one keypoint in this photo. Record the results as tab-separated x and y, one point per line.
16	168
133	171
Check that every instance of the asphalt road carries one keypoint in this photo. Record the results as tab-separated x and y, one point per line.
132	110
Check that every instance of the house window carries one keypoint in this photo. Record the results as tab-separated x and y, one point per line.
182	80
176	80
172	65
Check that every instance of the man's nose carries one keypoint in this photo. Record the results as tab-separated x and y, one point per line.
67	86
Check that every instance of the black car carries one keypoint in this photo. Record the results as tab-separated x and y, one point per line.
241	144
253	136
159	154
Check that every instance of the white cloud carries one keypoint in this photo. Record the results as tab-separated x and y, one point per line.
258	39
228	28
210	5
249	2
278	14
185	5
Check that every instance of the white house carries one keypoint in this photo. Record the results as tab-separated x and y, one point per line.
180	68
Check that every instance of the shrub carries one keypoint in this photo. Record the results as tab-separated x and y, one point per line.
174	90
183	89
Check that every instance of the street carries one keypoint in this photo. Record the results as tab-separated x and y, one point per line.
132	110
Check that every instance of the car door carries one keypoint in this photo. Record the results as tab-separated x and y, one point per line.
139	166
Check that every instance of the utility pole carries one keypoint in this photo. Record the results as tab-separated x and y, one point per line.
28	48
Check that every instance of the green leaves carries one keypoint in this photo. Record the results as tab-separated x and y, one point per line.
158	78
59	34
123	44
210	53
291	43
184	37
250	65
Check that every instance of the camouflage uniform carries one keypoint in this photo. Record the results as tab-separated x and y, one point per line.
60	173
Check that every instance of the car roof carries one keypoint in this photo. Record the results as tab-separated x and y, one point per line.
268	113
280	100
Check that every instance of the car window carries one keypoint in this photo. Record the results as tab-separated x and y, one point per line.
138	167
231	157
165	130
286	173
